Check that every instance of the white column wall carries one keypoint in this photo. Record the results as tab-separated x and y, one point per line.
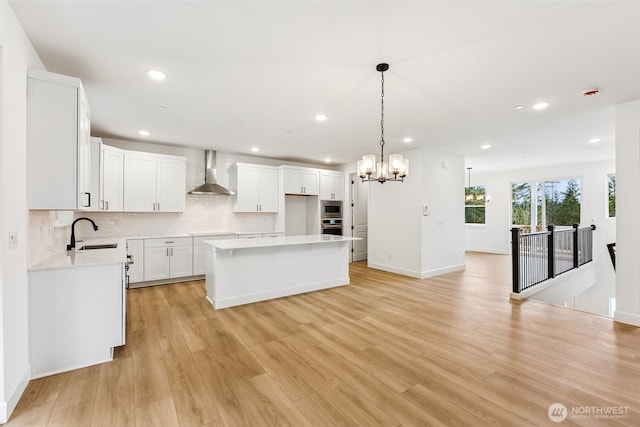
443	239
628	213
17	56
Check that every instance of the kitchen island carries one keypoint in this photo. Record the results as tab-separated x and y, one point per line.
242	271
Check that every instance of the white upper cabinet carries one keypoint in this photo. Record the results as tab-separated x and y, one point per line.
331	185
112	179
58	143
171	183
154	183
301	181
257	188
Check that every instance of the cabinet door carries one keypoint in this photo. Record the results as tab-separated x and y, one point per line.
248	199
199	259
84	157
338	186
326	186
135	248
156	263
181	261
171	182
139	182
310	182
112	179
293	181
268	190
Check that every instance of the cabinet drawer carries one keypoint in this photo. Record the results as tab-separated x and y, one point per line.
168	241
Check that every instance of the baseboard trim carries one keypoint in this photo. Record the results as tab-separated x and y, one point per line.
418	274
632	319
443	270
392	269
7	407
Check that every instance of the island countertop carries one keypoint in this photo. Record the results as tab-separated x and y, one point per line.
278	241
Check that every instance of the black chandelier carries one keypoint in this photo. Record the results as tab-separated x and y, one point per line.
397	168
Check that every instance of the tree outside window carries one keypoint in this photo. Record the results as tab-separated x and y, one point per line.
474	204
611	189
555	202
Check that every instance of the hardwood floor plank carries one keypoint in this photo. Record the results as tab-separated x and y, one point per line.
159	413
115	402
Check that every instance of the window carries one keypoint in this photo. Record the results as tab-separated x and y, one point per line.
556	202
521	204
611	190
474	200
562	202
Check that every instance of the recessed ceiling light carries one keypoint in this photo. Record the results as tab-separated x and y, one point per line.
255	149
162	107
407	140
485	146
590	92
321	117
327	160
156	74
144	132
519	107
594	140
540	105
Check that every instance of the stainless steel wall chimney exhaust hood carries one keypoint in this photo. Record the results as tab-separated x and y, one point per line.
210	185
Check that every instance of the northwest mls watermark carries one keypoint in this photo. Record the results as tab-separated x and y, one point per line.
558	412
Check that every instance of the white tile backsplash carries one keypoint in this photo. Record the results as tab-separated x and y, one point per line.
202	214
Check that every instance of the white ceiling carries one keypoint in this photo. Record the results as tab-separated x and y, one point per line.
243	74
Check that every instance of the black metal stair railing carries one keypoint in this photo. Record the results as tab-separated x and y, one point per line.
537	257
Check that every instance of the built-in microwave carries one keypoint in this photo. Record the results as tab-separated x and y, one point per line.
331	209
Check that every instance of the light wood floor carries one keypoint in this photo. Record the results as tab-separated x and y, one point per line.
387	350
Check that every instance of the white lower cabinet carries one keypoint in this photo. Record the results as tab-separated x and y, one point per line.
76	317
168	258
200	251
135	251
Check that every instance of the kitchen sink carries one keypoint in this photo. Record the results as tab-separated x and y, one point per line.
104	246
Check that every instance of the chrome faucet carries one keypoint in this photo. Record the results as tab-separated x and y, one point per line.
72	244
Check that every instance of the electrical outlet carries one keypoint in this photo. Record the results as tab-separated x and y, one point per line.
425	210
13	240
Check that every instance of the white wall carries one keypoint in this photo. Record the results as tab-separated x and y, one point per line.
495	237
404	241
628	211
17	56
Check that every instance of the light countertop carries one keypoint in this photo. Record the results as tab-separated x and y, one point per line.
86	258
278	241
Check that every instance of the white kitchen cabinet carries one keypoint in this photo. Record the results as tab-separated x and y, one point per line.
58	143
200	251
257	188
135	250
168	258
301	181
331	185
76	317
154	183
112	179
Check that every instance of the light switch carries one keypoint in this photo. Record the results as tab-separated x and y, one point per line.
425	210
13	240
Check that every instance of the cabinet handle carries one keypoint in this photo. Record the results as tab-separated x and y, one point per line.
171	251
107	202
101	205
158	207
88	200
